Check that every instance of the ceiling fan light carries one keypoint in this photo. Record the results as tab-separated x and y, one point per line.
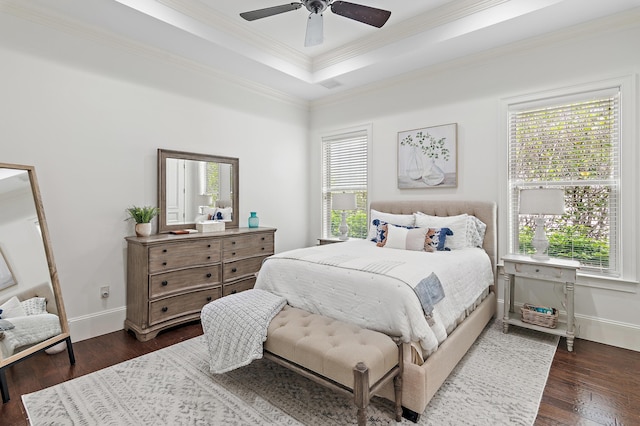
314	34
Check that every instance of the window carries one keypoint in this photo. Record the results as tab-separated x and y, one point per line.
571	143
345	158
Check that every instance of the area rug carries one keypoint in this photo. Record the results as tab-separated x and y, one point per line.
500	381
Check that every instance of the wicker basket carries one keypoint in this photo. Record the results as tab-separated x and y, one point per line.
531	316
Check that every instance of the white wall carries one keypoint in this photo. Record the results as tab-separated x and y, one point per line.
470	92
90	117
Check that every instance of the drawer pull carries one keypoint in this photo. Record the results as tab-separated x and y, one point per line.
233	242
537	270
208	245
209	275
262	238
262	249
164	263
165	309
208	257
209	298
164	250
234	270
234	291
164	283
233	254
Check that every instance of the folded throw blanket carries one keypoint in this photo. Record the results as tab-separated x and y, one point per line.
235	327
429	290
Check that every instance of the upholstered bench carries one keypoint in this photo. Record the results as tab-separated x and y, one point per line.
341	356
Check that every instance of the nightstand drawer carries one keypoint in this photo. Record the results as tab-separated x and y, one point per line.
542	272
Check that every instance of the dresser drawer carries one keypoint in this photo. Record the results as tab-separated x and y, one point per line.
248	245
184	254
241	268
184	304
238	286
184	279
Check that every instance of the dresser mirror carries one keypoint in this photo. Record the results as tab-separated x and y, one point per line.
33	316
194	187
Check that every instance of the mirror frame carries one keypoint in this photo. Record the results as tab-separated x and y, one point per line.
163	154
55	284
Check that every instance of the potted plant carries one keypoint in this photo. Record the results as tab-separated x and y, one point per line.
142	216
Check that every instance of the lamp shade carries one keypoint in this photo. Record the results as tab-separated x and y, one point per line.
343	201
542	201
204	199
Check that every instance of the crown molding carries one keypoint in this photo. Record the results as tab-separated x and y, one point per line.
418	24
610	24
208	16
25	11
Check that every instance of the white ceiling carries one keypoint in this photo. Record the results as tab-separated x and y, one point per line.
271	51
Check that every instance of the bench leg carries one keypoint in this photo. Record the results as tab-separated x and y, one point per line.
397	387
361	391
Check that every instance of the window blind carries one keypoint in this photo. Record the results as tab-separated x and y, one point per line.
344	169
570	143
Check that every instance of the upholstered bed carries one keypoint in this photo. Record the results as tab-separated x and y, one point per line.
381	294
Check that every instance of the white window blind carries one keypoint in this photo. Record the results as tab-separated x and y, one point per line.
345	169
571	143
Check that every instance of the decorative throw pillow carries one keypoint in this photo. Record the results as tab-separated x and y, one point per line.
381	228
436	239
35	306
475	231
12	308
457	224
407	220
404	238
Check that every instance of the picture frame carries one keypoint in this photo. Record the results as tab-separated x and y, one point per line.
427	157
7	278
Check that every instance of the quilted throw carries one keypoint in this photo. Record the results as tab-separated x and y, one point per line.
235	327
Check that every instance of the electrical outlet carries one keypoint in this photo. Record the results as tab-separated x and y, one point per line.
104	292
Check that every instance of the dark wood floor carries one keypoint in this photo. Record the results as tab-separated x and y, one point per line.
595	385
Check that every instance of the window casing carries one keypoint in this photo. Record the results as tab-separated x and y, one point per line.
345	158
573	143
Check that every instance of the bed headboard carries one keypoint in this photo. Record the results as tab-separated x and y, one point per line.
486	211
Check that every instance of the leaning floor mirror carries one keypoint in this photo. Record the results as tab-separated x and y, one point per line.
32	315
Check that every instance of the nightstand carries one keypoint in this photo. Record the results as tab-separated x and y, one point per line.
555	270
323	241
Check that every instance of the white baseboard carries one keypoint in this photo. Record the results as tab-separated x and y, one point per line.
600	330
94	325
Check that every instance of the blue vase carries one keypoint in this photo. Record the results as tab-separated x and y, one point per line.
254	221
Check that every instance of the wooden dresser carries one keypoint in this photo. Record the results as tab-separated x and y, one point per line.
171	277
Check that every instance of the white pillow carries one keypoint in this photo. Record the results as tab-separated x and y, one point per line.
12	308
394	219
35	306
405	239
457	224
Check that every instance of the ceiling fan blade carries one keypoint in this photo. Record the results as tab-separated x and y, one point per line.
365	14
315	34
270	11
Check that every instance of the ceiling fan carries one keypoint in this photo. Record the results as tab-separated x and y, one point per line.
365	14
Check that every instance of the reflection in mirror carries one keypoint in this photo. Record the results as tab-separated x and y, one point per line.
195	187
32	315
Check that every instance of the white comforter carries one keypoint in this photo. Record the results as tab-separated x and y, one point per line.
357	282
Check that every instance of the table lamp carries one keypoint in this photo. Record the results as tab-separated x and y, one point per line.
343	201
541	202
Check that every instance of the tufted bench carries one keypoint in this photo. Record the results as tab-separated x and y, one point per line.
341	356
